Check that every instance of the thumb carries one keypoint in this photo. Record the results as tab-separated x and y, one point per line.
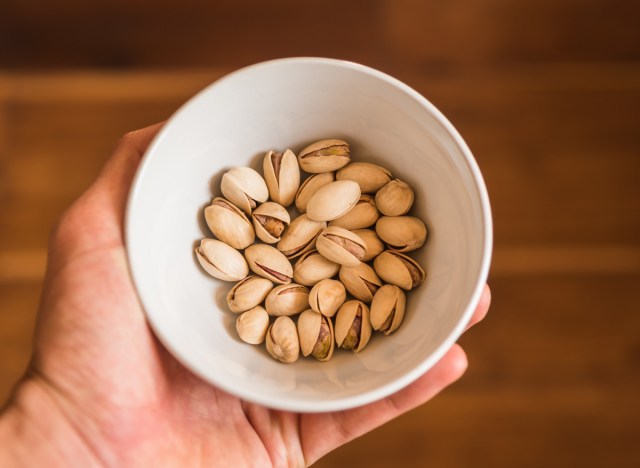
117	174
95	220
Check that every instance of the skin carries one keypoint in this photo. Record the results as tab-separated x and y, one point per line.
102	391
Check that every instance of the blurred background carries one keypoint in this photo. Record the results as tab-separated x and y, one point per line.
546	94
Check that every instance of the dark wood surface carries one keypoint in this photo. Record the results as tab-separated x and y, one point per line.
546	94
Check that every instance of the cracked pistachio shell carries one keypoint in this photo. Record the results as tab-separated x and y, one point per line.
252	325
248	293
370	177
244	187
374	245
401	233
399	269
353	328
361	281
333	200
362	215
324	156
269	221
282	175
221	261
282	340
316	335
395	198
341	246
327	296
387	308
268	262
312	268
311	186
229	224
287	299
300	236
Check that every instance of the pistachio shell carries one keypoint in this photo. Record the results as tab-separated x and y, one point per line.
362	215
399	269
387	308
341	246
312	268
353	328
252	325
270	220
327	296
266	261
282	340
244	187
361	281
374	245
248	293
316	335
229	224
333	200
282	174
221	261
287	299
401	233
311	186
300	236
324	156
395	198
370	177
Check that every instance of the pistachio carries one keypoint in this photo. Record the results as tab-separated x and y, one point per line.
324	156
282	340
312	268
327	296
229	224
341	246
221	261
266	261
311	186
287	299
244	187
252	325
269	220
387	308
333	200
248	293
374	245
316	335
401	233
399	269
361	281
395	198
362	215
300	236
353	328
282	174
370	177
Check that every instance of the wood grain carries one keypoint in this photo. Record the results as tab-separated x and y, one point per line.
546	94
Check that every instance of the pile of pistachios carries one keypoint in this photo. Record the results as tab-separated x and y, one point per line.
347	237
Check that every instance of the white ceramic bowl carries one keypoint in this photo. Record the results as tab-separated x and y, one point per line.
289	103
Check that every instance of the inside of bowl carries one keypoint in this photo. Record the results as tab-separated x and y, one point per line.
289	104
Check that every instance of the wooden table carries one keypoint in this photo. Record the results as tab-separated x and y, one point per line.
546	94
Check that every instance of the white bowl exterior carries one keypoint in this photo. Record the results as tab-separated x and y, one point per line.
289	103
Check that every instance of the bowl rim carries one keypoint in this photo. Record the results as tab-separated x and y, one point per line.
286	402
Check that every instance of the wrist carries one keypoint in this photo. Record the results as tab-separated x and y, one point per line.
35	432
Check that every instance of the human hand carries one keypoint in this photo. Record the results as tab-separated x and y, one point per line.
101	389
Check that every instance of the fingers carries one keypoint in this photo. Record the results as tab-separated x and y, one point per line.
482	308
341	427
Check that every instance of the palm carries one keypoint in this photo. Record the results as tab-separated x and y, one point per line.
130	399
